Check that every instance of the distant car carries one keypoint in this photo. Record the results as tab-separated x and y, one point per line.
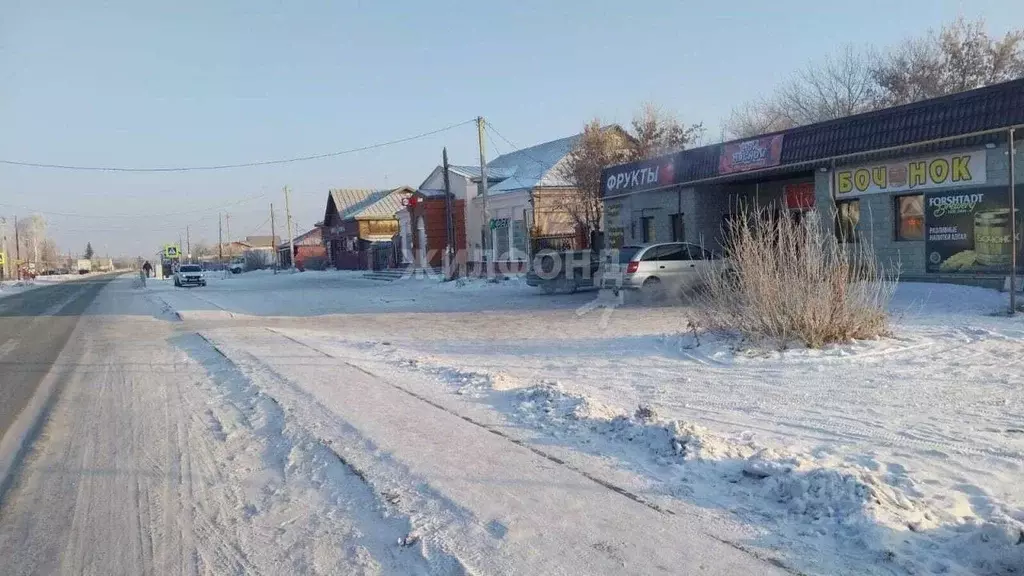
189	275
657	268
237	266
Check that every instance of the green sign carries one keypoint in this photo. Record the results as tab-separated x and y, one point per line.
172	252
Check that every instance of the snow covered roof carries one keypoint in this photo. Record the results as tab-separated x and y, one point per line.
380	204
531	167
362	203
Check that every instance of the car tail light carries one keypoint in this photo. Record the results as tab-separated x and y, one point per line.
632	267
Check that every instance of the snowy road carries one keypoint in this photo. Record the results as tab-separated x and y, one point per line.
164	454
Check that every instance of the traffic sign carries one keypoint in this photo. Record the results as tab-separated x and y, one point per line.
3	258
172	252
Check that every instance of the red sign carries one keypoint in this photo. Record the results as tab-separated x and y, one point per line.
799	196
750	154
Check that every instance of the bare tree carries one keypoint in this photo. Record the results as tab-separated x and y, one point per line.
656	132
31	233
597	147
840	85
961	56
755	118
48	251
201	249
257	259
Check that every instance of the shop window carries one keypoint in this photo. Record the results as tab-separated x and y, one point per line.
847	220
501	239
909	217
677	228
519	238
647	229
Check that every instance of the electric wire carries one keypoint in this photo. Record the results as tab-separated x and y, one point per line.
240	165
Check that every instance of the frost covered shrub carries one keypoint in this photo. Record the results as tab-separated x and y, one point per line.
787	281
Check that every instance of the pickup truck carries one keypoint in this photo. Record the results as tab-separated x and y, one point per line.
570	271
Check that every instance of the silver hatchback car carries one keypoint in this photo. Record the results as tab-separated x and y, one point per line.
676	266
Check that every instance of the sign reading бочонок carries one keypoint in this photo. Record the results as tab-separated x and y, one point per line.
941	171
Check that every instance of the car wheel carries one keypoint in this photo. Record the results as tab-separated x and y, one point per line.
573	286
653	289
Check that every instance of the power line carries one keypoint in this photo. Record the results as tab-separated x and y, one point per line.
242	165
118	216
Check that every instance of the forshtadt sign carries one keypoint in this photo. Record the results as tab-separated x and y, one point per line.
944	171
969	231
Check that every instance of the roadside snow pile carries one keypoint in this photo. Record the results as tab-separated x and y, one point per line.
848	508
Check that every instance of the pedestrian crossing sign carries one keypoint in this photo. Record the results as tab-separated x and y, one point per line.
171	252
3	258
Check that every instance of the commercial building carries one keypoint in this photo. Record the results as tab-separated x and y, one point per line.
926	183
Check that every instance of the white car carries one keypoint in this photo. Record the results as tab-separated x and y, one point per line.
237	266
657	268
190	275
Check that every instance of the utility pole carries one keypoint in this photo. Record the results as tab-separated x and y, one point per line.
483	191
227	231
288	224
449	229
17	241
220	239
273	237
1014	245
188	243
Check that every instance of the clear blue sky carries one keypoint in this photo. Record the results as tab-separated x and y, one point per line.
144	83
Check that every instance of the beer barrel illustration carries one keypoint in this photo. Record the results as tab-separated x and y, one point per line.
992	237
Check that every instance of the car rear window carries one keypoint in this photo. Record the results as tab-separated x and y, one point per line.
626	253
191	269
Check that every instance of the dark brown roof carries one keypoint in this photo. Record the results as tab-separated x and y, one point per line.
988	108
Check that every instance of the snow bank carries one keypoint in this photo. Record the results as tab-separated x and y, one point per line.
857	511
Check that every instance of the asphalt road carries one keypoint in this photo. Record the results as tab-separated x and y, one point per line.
34	327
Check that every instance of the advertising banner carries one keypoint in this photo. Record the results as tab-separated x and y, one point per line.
940	171
750	154
637	176
968	231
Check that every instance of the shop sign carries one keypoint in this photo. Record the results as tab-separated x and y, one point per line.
799	196
750	154
945	171
640	175
499	223
969	231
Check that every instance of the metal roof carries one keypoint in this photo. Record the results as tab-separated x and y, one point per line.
380	204
531	167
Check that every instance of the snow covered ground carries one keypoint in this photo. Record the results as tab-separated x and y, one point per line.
10	287
901	455
321	422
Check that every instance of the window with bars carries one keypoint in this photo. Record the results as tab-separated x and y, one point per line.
501	241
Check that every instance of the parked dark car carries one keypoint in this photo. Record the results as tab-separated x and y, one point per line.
570	271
